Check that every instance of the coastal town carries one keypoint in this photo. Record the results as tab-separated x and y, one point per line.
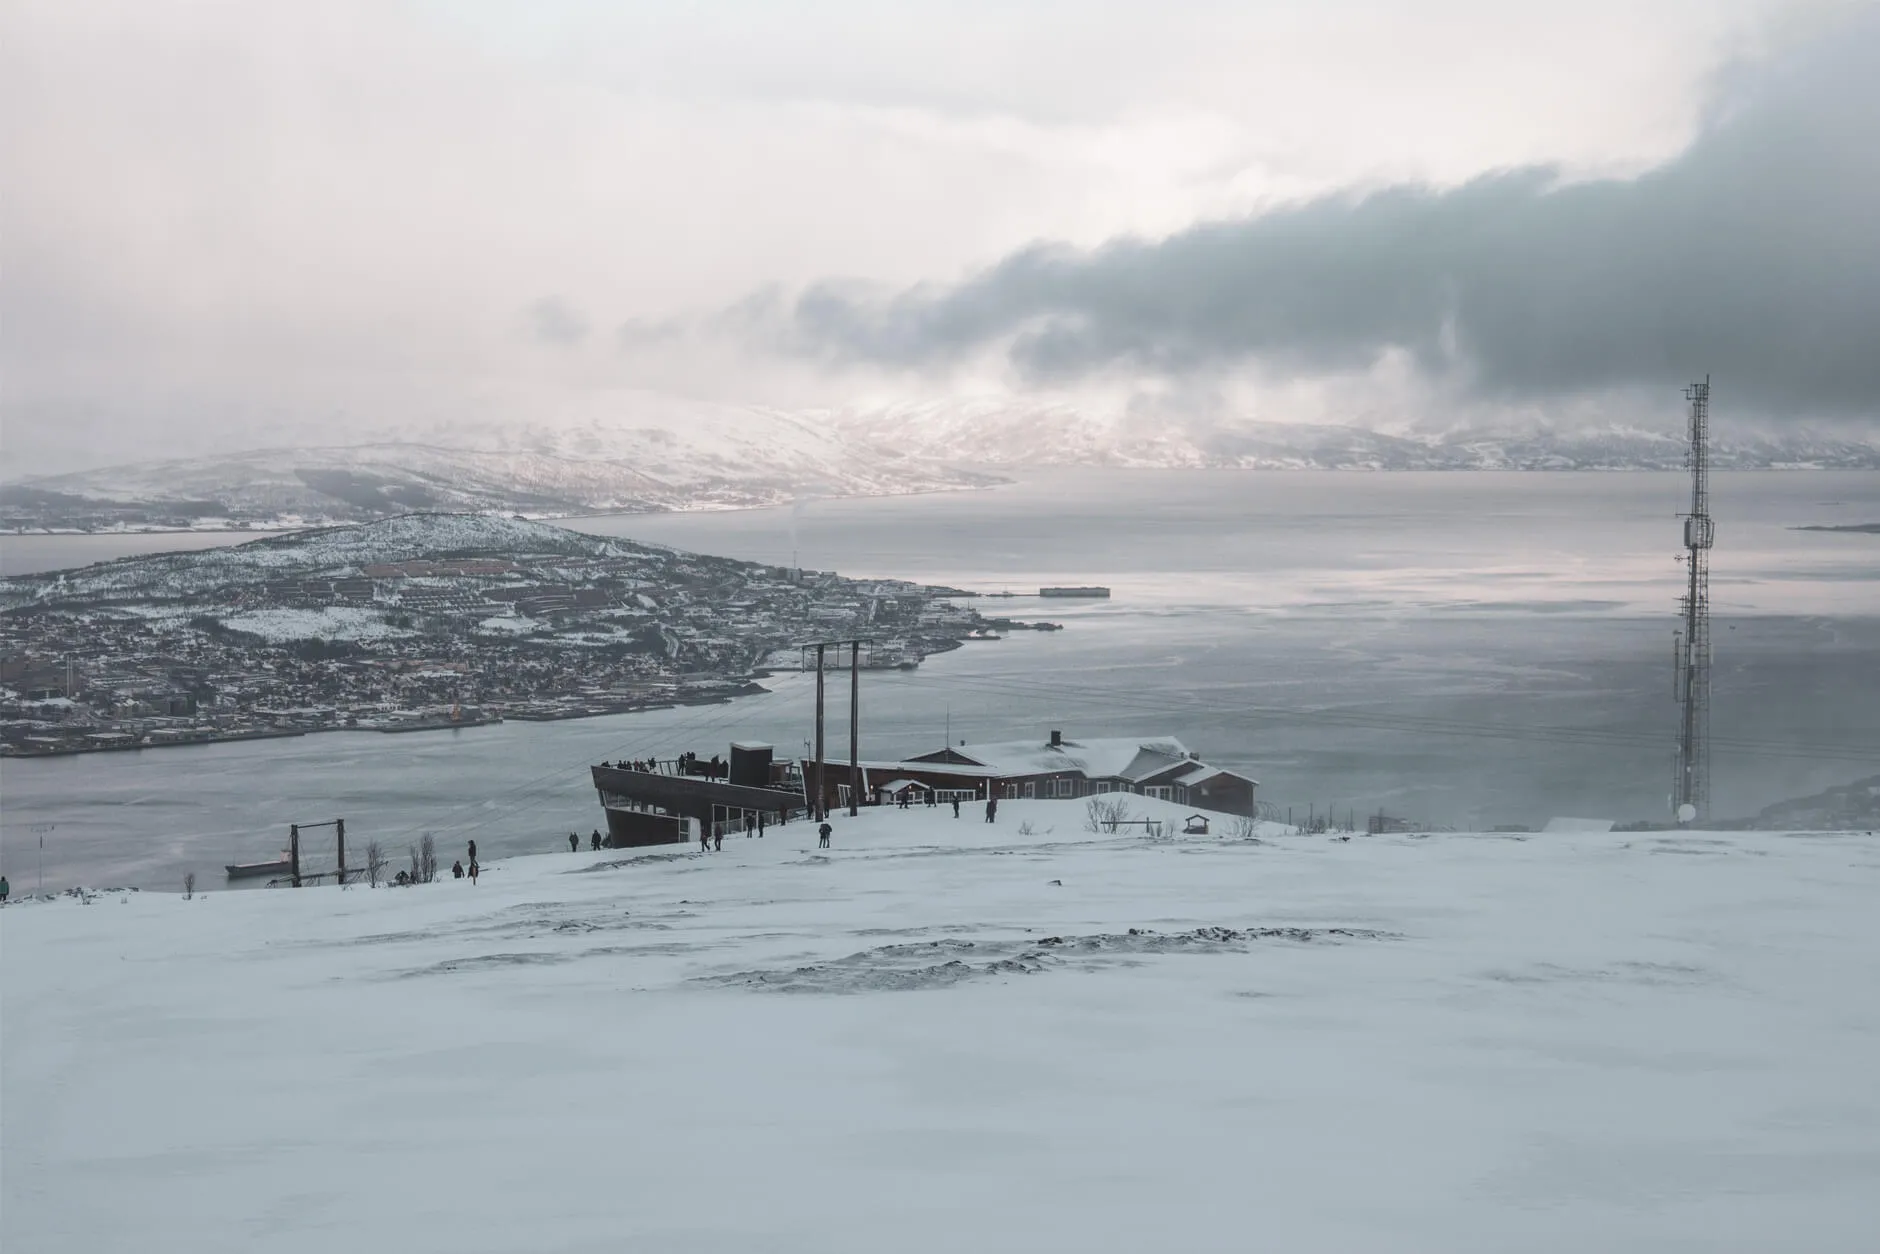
420	622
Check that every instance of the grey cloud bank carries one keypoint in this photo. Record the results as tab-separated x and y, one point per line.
1754	255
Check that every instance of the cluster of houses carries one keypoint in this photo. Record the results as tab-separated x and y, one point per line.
425	642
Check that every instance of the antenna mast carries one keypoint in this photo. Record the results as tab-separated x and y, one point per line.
1691	788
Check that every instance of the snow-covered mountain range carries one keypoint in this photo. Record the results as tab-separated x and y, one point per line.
640	452
698	457
998	434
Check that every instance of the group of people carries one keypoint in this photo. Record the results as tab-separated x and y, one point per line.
712	839
574	841
906	799
457	870
687	763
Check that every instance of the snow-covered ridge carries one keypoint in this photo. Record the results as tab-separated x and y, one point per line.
330	550
705	457
1000	434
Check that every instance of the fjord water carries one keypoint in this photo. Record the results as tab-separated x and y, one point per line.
1461	649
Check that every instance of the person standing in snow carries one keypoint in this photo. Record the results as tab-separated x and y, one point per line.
760	825
473	870
704	839
992	809
956	807
5	888
456	870
473	853
823	832
574	843
594	841
750	824
718	841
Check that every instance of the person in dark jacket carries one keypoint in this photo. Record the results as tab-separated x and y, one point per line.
718	841
574	843
823	832
956	807
992	809
594	841
473	853
760	825
473	870
456	870
704	839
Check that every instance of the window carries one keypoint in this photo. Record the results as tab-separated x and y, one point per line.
1031	788
1063	787
1160	793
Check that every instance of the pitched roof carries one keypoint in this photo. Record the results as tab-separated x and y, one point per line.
1133	759
1095	759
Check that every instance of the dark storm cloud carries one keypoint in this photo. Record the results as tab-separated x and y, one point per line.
1755	255
553	320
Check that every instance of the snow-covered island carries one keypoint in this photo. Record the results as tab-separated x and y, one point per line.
424	620
943	1035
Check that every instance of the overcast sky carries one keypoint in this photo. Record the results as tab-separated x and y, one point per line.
244	224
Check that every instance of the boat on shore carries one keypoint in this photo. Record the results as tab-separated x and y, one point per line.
248	870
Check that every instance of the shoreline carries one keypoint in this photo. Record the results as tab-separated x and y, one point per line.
749	689
261	530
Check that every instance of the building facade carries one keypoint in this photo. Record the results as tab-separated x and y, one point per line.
1055	768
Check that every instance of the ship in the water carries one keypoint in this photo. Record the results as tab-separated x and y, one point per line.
1077	591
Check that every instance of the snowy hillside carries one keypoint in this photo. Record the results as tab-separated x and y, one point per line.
941	1035
330	551
999	433
654	454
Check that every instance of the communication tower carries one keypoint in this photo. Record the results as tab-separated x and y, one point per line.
1690	797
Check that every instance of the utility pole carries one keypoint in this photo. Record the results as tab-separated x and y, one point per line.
339	828
820	807
822	647
293	852
1691	786
855	726
42	829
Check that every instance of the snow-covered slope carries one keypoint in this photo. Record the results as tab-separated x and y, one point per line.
330	551
942	1035
999	433
651	454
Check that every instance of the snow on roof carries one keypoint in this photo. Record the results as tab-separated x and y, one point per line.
1133	759
1096	759
1565	824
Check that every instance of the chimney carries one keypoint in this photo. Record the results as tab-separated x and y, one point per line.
1057	739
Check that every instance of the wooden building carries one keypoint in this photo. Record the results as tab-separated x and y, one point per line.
1161	767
